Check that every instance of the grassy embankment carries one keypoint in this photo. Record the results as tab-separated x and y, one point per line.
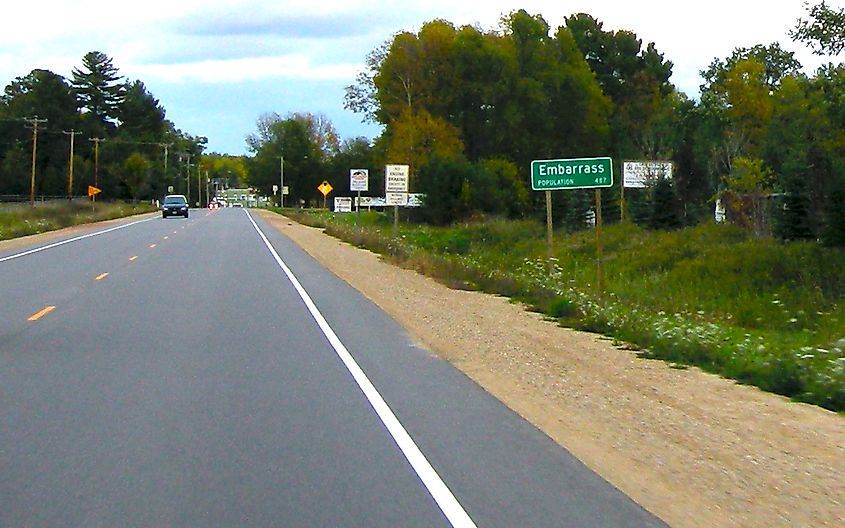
17	220
761	312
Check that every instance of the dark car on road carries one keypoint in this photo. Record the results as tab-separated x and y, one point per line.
174	205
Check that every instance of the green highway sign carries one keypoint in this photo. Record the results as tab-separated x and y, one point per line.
576	173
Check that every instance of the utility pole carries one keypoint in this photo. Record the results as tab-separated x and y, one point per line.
33	122
165	146
188	180
72	133
199	185
96	141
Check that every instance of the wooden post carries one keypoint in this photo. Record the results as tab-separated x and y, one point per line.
599	249
549	231
622	203
358	210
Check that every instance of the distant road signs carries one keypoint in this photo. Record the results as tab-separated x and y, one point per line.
325	188
396	178
359	180
396	198
93	191
343	204
574	173
414	200
641	174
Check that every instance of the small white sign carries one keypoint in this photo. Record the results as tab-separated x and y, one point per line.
359	179
415	199
342	204
720	213
396	179
397	198
642	174
370	201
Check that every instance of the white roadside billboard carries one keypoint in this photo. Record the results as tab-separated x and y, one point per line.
642	174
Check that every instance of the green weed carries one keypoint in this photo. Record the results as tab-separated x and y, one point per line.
21	219
762	312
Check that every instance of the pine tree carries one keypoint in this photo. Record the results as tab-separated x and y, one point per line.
663	212
140	114
98	87
795	218
834	229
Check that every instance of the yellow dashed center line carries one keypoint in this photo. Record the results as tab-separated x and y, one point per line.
42	313
133	257
101	276
152	246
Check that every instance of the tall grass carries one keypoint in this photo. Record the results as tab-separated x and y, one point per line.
18	220
761	312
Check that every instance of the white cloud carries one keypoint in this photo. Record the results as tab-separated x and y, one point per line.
248	69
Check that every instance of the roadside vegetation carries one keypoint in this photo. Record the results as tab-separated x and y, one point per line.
762	312
17	220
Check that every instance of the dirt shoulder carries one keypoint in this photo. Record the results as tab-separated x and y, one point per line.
694	449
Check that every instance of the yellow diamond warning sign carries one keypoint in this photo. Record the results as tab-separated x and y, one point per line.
325	188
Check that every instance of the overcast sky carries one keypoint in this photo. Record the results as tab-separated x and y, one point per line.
217	65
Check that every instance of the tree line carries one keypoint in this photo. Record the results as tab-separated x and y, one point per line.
123	142
469	109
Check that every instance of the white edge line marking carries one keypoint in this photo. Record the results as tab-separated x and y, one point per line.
68	241
441	494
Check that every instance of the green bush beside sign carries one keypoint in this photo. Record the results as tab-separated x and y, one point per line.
576	173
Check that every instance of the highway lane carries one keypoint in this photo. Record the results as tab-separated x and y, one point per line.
191	386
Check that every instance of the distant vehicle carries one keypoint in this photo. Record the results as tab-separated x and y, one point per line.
174	205
236	204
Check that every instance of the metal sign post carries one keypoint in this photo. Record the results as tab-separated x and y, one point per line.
282	182
325	188
396	183
359	180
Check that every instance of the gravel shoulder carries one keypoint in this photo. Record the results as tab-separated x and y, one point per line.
694	449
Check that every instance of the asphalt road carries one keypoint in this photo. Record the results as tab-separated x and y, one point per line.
207	372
